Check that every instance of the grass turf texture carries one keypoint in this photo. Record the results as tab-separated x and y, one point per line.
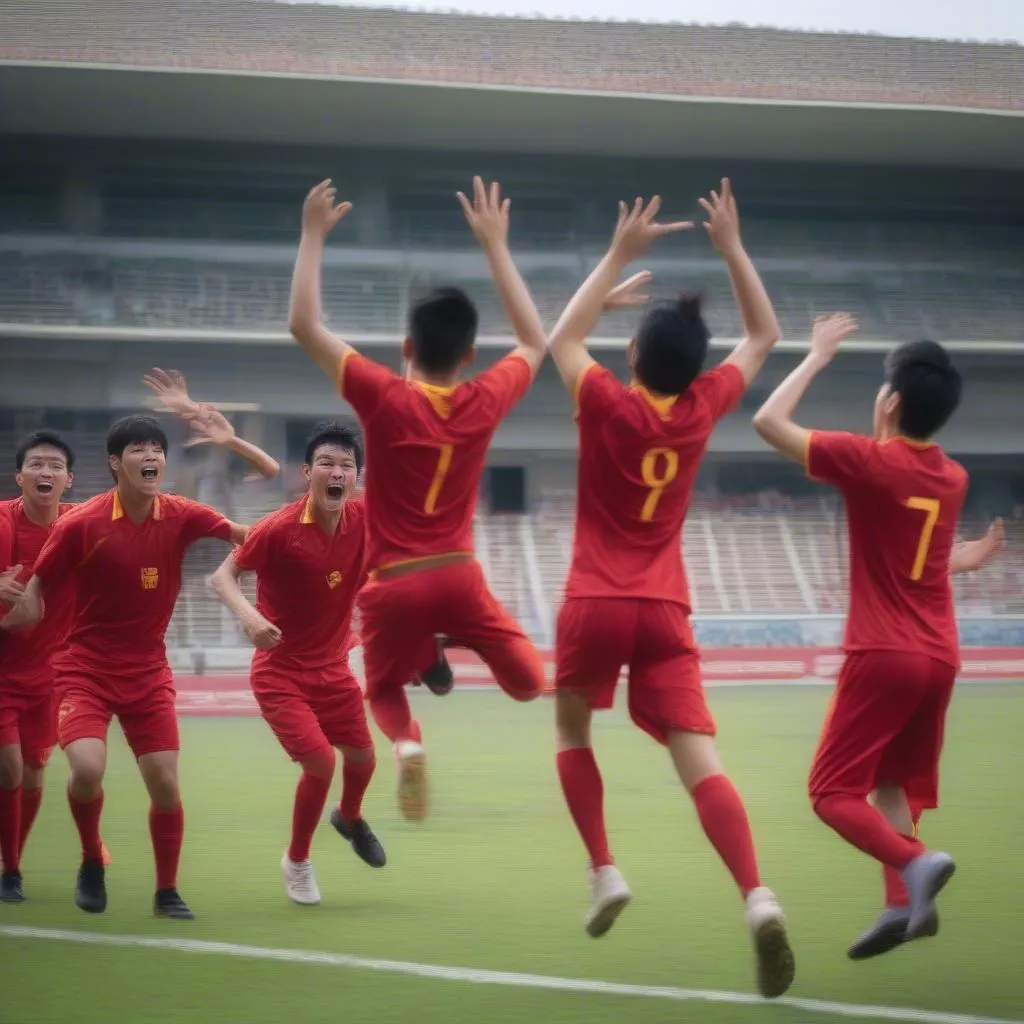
495	879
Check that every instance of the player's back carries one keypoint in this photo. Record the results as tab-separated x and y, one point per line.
425	452
903	502
638	460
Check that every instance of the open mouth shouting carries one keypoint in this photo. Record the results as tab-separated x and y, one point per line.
44	488
150	473
335	492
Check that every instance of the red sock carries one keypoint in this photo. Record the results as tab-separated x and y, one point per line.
896	894
724	820
10	828
865	827
355	778
393	715
30	801
167	830
584	793
310	797
87	819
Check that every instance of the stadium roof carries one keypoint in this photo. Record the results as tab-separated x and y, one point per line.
249	70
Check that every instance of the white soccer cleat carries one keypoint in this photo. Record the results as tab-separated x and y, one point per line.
610	896
300	881
412	779
776	967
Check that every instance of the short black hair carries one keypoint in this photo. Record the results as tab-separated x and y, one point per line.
134	429
334	432
442	327
37	440
671	345
928	384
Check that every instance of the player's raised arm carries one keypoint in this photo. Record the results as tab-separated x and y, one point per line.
488	216
261	631
774	420
635	230
760	327
971	555
320	213
209	425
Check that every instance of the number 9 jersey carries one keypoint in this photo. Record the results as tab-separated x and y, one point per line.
638	459
903	500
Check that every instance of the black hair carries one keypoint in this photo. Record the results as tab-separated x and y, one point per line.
37	440
134	429
333	432
671	345
928	384
442	327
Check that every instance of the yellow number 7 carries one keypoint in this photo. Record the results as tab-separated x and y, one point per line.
657	484
930	506
444	462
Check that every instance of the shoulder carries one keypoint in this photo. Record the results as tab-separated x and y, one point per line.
97	508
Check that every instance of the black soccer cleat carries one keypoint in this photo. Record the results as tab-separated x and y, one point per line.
168	903
439	678
91	887
11	890
889	932
366	845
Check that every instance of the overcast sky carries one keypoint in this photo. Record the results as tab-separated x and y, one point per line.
942	19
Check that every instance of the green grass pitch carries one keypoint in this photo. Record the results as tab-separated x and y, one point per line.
495	880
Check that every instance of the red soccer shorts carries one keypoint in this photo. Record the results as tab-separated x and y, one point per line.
28	720
402	616
308	709
598	635
149	723
885	727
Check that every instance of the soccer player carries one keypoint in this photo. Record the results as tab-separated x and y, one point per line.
309	560
884	731
627	600
426	441
123	552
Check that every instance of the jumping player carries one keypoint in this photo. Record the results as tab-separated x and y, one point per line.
427	436
903	498
627	600
309	560
123	551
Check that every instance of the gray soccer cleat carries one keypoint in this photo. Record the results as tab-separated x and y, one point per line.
888	933
925	877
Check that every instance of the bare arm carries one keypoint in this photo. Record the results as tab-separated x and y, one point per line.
774	420
29	609
305	315
238	533
258	629
971	555
488	216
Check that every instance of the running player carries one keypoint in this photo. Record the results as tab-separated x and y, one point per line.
123	552
309	560
903	498
627	599
427	437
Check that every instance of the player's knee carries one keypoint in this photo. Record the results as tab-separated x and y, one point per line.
572	720
11	767
359	755
32	773
320	762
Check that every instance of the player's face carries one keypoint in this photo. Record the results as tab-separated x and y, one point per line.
141	467
331	476
44	475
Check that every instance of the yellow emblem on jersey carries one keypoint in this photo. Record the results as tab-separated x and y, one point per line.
334	578
150	579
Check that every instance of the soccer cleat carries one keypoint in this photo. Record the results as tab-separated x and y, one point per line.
888	933
91	888
439	678
610	896
776	966
11	890
367	846
300	881
168	903
925	877
412	780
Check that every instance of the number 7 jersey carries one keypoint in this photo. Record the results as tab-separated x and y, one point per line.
903	500
425	452
638	460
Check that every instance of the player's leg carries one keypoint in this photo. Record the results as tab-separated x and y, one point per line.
11	780
593	640
38	738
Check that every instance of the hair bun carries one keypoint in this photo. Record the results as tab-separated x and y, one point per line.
689	305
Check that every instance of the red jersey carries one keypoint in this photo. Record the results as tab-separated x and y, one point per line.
425	452
638	460
903	501
306	583
26	655
127	579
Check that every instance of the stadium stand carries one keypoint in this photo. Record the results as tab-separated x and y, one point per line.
670	59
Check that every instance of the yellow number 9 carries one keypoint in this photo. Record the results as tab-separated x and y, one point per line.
656	483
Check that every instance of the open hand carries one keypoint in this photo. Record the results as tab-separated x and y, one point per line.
723	223
632	292
637	228
209	426
487	214
170	388
320	212
828	332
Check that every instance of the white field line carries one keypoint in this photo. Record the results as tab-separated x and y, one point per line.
483	977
